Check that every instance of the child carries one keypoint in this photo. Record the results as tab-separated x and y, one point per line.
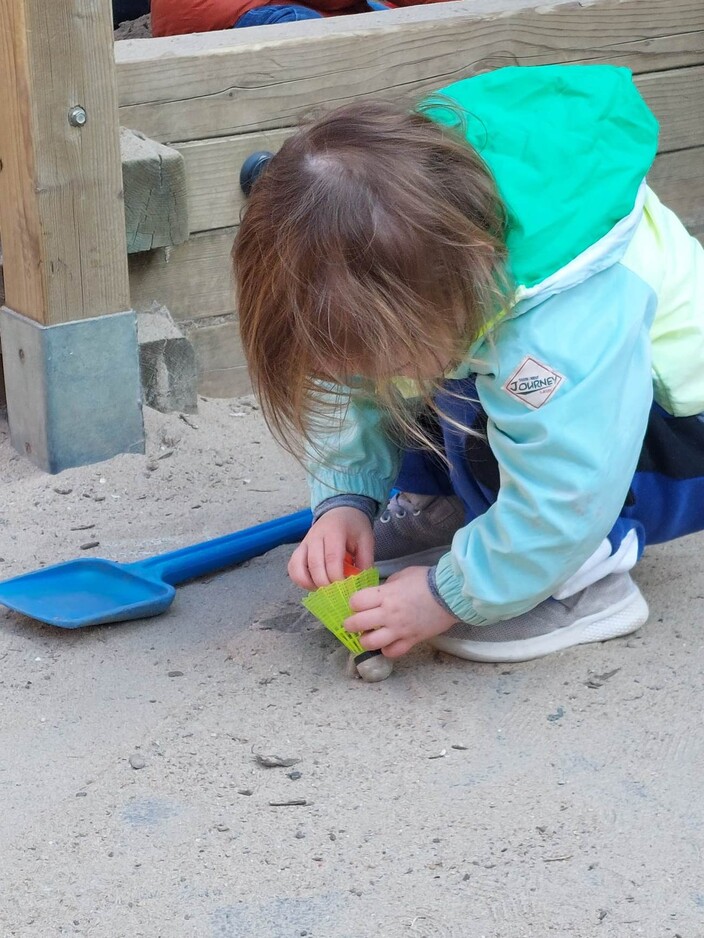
494	313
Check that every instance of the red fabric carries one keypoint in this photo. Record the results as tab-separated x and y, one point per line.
175	17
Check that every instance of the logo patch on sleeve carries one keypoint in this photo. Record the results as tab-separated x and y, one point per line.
533	383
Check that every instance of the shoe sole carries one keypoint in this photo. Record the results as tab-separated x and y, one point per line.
424	558
620	619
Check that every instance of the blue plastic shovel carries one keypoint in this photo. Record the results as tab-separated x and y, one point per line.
94	591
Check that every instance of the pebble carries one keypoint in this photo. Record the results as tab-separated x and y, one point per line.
137	761
295	775
90	545
245	791
62	491
299	835
175	674
274	762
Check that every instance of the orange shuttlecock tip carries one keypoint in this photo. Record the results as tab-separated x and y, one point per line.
348	566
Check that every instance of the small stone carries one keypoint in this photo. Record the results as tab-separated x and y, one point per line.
175	674
299	835
81	794
274	761
245	791
222	828
295	775
90	545
459	746
137	761
60	490
332	836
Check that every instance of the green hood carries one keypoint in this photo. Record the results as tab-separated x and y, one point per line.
568	145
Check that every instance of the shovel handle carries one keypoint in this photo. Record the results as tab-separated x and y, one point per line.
210	556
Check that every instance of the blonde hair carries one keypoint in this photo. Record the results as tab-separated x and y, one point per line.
373	240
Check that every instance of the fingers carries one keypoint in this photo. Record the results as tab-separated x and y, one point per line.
369	598
364	550
364	621
397	649
298	568
325	559
384	640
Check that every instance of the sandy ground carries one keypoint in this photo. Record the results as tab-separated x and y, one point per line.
559	797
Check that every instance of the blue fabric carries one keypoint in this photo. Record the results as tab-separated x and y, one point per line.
267	16
666	498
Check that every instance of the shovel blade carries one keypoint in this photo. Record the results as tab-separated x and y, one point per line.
85	592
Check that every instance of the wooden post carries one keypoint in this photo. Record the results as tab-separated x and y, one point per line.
63	236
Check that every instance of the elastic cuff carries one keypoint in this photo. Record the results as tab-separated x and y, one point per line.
433	587
449	585
364	504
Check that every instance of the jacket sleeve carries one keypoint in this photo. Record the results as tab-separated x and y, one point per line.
351	453
566	459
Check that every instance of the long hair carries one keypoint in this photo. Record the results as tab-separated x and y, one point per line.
372	246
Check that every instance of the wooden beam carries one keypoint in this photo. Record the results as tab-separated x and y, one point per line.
69	339
213	166
193	281
217	84
154	178
678	179
61	211
215	199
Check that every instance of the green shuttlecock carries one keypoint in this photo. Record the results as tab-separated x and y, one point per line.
331	606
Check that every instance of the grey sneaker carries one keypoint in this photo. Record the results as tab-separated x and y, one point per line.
415	529
614	606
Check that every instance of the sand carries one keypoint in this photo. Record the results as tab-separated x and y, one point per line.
455	800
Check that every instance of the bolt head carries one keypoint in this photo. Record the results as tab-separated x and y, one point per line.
77	116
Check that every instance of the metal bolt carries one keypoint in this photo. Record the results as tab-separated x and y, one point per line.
77	116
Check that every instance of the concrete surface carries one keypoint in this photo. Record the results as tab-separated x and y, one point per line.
560	797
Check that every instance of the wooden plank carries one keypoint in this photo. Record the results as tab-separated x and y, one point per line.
678	179
213	166
193	87
193	280
61	211
222	371
215	199
677	100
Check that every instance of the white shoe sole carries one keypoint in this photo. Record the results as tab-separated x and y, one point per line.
622	618
424	558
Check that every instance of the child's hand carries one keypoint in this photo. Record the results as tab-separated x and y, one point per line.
398	614
318	559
